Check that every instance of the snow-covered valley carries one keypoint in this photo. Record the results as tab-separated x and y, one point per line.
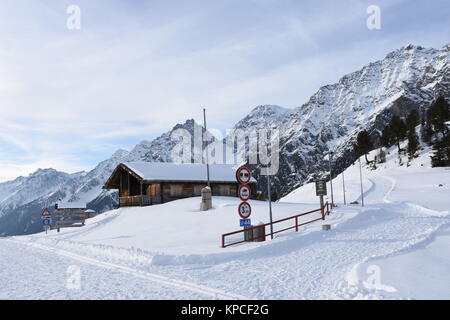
393	247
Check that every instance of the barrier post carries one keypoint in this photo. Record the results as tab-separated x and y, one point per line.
322	206
296	224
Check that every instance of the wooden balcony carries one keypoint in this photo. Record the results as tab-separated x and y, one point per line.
144	200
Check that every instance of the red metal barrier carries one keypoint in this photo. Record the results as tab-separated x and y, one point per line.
296	226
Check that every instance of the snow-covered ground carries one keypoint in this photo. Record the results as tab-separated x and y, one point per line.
396	246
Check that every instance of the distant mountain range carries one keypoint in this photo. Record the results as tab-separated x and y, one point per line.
406	79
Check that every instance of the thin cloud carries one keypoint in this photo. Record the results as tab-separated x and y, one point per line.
134	70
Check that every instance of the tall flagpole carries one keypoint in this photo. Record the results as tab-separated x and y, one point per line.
206	147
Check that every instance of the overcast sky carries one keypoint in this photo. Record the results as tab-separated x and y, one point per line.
70	98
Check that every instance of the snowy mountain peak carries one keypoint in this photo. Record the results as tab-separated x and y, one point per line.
270	109
264	117
120	153
42	172
188	125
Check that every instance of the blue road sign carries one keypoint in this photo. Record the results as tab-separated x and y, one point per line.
46	222
245	222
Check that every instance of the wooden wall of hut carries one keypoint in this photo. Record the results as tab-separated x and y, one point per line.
129	185
173	191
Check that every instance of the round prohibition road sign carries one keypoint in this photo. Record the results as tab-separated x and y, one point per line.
244	192
245	210
243	175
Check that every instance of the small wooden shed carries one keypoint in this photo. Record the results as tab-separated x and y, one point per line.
148	183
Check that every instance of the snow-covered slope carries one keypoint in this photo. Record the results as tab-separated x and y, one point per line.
176	247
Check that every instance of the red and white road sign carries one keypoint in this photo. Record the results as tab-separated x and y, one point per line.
245	210
45	214
244	192
243	175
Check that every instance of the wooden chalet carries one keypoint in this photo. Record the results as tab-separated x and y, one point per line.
148	183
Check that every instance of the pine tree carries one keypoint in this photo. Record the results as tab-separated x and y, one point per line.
413	143
426	132
363	144
438	114
387	138
441	156
398	129
413	120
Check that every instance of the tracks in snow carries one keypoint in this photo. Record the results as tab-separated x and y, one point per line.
184	285
411	205
393	186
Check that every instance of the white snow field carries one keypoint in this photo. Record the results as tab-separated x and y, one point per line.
395	247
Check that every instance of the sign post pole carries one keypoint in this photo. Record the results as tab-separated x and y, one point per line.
270	205
331	179
321	190
46	218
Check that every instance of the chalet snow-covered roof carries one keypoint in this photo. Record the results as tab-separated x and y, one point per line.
163	171
171	172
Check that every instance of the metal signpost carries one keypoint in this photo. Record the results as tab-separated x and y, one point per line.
331	179
244	176
46	217
321	190
270	204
